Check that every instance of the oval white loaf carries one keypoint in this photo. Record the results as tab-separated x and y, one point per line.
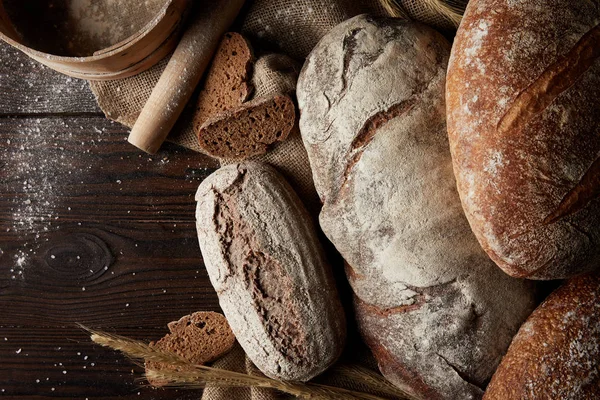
434	309
523	114
264	259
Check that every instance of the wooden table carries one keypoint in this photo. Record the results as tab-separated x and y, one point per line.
92	231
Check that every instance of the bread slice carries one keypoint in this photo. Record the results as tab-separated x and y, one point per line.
227	82
199	338
249	129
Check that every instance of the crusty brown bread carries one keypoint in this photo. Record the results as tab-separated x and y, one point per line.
523	102
265	261
435	310
227	82
199	338
249	129
556	354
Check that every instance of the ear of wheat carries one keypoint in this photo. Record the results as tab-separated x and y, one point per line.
394	9
191	376
452	10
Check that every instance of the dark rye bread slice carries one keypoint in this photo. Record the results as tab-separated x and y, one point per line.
227	82
249	129
199	338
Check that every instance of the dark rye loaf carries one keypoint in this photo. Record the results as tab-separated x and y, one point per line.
264	259
432	306
523	102
556	354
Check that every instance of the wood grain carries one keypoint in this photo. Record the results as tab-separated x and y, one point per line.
28	87
91	231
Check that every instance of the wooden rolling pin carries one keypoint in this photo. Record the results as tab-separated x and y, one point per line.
211	20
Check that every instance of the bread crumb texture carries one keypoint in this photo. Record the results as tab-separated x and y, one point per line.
199	338
249	129
227	82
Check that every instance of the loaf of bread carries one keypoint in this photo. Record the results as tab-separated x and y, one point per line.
436	312
556	354
523	102
198	338
264	260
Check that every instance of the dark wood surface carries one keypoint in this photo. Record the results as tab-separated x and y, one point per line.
92	231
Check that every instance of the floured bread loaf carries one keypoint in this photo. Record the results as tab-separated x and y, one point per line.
436	312
264	259
523	115
556	354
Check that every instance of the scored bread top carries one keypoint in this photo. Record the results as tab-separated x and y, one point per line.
264	259
523	95
227	82
436	312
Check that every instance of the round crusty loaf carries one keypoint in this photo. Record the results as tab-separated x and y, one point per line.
264	259
556	354
523	98
432	306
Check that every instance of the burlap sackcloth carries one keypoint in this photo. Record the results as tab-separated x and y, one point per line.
237	361
291	27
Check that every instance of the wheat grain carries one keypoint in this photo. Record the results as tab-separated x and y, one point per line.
451	10
199	376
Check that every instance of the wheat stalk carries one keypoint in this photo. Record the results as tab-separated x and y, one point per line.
369	378
201	376
193	376
451	10
394	9
134	349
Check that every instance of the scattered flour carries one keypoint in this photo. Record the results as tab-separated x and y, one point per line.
18	269
37	176
34	209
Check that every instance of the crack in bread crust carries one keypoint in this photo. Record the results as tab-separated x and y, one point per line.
556	79
349	45
577	198
422	294
369	130
463	375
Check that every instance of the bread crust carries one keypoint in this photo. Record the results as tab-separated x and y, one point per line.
264	260
523	102
434	309
556	354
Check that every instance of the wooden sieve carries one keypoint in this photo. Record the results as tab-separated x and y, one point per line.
133	54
